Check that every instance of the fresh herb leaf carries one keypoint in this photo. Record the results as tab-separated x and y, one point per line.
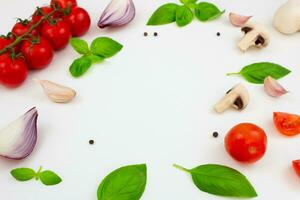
94	58
80	46
220	180
188	1
126	183
105	47
257	72
49	178
205	11
165	14
23	174
184	16
80	66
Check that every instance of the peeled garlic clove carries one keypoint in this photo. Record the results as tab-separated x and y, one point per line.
18	139
117	13
57	93
273	88
238	20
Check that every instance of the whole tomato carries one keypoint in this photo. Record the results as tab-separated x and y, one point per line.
40	12
287	124
21	27
246	142
296	166
79	21
64	3
38	54
13	71
58	34
5	41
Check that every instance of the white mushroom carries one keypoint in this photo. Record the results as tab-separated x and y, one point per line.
237	97
255	35
287	17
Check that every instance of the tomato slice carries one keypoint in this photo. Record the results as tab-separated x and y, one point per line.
296	165
287	124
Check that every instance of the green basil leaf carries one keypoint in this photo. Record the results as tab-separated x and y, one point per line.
105	47
257	72
126	183
184	16
23	174
49	178
188	1
165	14
221	180
94	58
80	46
80	66
207	11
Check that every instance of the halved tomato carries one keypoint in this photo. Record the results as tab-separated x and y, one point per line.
296	165
287	124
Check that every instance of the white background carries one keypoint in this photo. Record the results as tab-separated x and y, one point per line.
152	103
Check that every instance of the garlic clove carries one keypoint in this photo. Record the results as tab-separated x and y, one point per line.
57	93
238	20
18	139
117	13
273	88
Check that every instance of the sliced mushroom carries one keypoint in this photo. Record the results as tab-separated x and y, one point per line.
255	35
287	17
237	97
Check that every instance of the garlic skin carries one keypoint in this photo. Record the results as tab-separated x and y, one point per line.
18	139
57	93
117	13
238	20
273	88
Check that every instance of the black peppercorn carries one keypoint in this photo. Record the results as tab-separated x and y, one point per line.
215	134
145	34
218	34
91	142
155	34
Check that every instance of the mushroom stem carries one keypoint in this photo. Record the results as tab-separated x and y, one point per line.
225	103
248	41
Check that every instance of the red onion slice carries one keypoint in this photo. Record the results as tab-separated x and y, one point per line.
18	139
117	13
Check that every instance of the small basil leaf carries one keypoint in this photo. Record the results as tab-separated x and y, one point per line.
223	181
49	178
126	183
184	16
105	47
80	66
164	15
188	1
94	58
207	11
257	72
23	174
80	46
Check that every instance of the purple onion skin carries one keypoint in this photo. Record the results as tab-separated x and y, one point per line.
107	18
29	137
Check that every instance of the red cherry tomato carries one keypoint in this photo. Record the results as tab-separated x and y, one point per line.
13	71
64	3
21	27
57	34
246	142
296	165
287	124
40	12
5	41
39	54
79	21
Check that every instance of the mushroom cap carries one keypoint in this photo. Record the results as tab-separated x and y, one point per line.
287	18
260	29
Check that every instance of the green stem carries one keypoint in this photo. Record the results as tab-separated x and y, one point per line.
230	74
34	26
181	168
37	175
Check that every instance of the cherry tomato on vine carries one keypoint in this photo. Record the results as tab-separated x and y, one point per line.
64	3
287	124
13	71
78	20
58	34
40	12
21	27
5	41
296	166
38	54
246	142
